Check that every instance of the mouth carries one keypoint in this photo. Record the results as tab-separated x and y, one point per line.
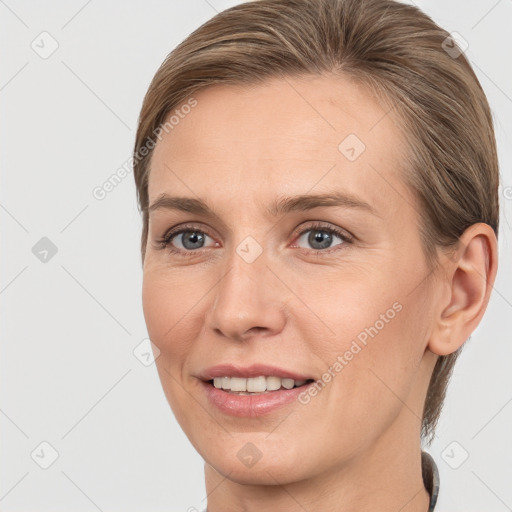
256	385
252	391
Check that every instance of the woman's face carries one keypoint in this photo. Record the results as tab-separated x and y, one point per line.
259	284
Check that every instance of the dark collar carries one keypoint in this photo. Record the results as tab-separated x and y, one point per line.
430	478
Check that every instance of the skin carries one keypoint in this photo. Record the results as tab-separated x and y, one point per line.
356	445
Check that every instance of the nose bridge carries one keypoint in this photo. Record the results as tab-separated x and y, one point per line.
247	296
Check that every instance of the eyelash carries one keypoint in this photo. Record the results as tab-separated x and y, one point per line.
165	241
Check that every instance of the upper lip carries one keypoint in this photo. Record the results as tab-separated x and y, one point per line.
254	370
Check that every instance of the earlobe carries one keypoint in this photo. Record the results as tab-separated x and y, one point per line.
470	275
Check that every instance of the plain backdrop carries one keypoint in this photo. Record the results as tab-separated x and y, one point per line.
84	422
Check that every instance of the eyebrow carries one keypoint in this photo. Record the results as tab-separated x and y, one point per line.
281	206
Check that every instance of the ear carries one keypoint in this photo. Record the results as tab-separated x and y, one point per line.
469	275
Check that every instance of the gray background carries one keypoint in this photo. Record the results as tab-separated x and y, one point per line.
70	324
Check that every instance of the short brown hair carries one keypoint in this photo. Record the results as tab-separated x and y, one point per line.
395	50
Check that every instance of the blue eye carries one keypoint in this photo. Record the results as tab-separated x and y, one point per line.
192	240
321	238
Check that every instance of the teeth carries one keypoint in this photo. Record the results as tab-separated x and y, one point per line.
225	381
273	383
255	384
287	383
238	384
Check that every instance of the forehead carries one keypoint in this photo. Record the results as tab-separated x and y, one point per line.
285	136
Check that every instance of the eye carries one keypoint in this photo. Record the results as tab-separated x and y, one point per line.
189	240
320	237
185	241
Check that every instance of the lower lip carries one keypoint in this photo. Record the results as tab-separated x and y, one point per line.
251	405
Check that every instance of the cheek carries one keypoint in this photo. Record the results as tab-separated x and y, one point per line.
377	336
166	302
341	307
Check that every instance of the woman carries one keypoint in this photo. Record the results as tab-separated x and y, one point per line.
318	181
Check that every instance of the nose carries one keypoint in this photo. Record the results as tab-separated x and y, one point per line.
249	300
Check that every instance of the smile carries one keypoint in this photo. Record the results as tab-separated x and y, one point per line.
255	385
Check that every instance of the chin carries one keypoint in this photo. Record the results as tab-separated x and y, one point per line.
249	459
262	473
